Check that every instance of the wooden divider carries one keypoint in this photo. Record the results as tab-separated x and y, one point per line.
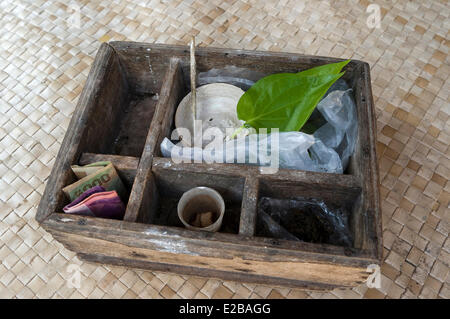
247	225
141	201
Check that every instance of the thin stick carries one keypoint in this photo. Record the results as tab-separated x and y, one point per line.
193	86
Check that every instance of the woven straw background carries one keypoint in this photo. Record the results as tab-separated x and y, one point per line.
44	63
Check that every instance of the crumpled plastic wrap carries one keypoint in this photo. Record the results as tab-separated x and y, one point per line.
240	77
341	130
257	149
327	150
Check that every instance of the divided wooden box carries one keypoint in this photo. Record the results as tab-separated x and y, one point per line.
126	109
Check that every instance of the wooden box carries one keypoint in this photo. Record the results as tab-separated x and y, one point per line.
126	109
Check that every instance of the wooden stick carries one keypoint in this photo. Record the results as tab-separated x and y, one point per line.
193	86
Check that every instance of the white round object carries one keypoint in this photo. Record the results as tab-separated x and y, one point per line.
199	200
216	107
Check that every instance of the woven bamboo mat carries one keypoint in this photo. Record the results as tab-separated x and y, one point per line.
45	59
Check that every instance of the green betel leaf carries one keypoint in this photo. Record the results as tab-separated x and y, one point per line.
286	100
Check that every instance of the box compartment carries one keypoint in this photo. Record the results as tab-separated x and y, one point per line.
305	219
121	111
132	130
171	185
126	167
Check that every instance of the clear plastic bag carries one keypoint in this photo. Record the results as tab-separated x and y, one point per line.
240	77
340	132
327	150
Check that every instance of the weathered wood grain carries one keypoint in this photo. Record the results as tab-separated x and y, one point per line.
249	207
325	274
141	235
286	183
367	211
138	57
209	273
165	245
174	183
370	178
